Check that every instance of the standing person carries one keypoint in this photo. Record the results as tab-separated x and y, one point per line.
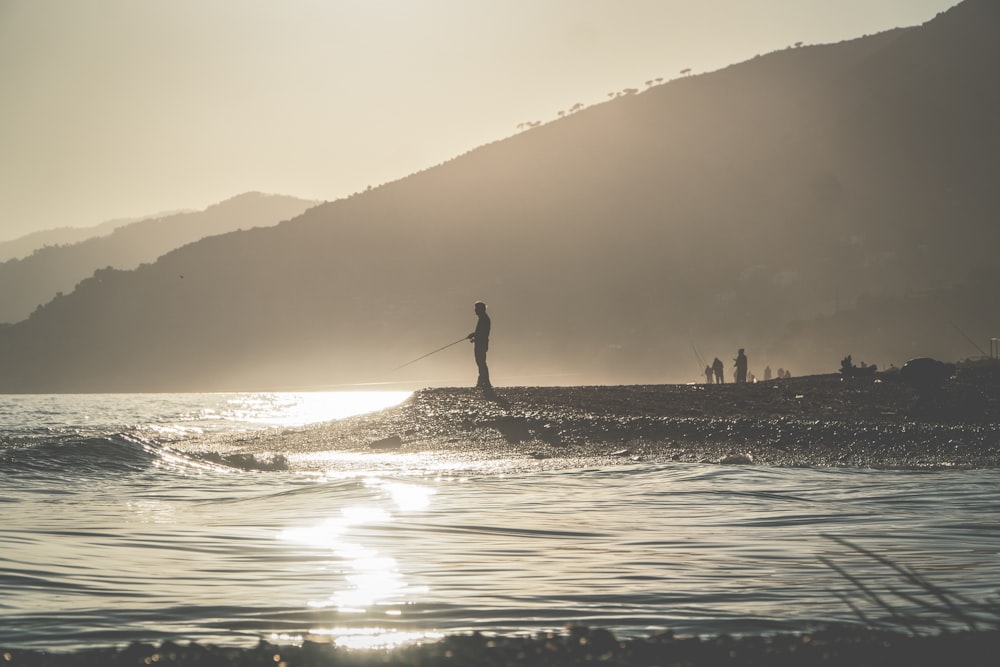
717	368
708	375
480	339
741	366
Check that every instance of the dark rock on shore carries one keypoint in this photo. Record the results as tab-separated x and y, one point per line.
925	374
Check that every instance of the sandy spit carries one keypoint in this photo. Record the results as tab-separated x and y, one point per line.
818	420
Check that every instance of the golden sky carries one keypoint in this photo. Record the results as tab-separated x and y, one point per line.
123	108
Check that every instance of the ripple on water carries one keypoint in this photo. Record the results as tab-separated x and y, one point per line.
415	549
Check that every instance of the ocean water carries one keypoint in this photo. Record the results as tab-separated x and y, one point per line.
114	529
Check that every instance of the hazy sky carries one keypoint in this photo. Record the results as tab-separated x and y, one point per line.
121	108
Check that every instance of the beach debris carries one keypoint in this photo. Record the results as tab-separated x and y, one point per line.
392	442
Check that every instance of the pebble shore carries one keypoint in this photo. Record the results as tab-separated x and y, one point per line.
577	646
818	420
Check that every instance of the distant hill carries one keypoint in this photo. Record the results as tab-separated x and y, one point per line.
25	245
61	262
807	204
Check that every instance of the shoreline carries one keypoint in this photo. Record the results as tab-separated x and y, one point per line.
812	421
848	646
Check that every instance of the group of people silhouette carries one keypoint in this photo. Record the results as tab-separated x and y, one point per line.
715	373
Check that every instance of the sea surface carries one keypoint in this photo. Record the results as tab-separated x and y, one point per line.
113	529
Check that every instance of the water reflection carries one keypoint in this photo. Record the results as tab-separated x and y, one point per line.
375	581
372	637
407	497
367	582
291	409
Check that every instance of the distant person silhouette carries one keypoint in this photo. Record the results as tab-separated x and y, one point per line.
767	372
480	339
718	369
741	367
708	374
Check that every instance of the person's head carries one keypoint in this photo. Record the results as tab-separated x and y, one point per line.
480	308
741	351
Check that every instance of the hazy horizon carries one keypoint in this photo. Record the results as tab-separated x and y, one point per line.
119	109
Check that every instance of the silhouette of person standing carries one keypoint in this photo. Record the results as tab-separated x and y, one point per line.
480	339
717	368
741	366
708	375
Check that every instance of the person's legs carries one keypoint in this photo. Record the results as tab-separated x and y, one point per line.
484	371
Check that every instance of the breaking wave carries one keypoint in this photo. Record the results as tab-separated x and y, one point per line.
88	455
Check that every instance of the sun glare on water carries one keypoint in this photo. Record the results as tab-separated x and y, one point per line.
368	580
291	409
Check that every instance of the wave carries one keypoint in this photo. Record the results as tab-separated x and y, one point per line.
83	454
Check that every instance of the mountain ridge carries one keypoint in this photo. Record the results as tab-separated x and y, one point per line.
740	208
27	283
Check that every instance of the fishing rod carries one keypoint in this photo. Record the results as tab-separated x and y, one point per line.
430	353
698	357
981	351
